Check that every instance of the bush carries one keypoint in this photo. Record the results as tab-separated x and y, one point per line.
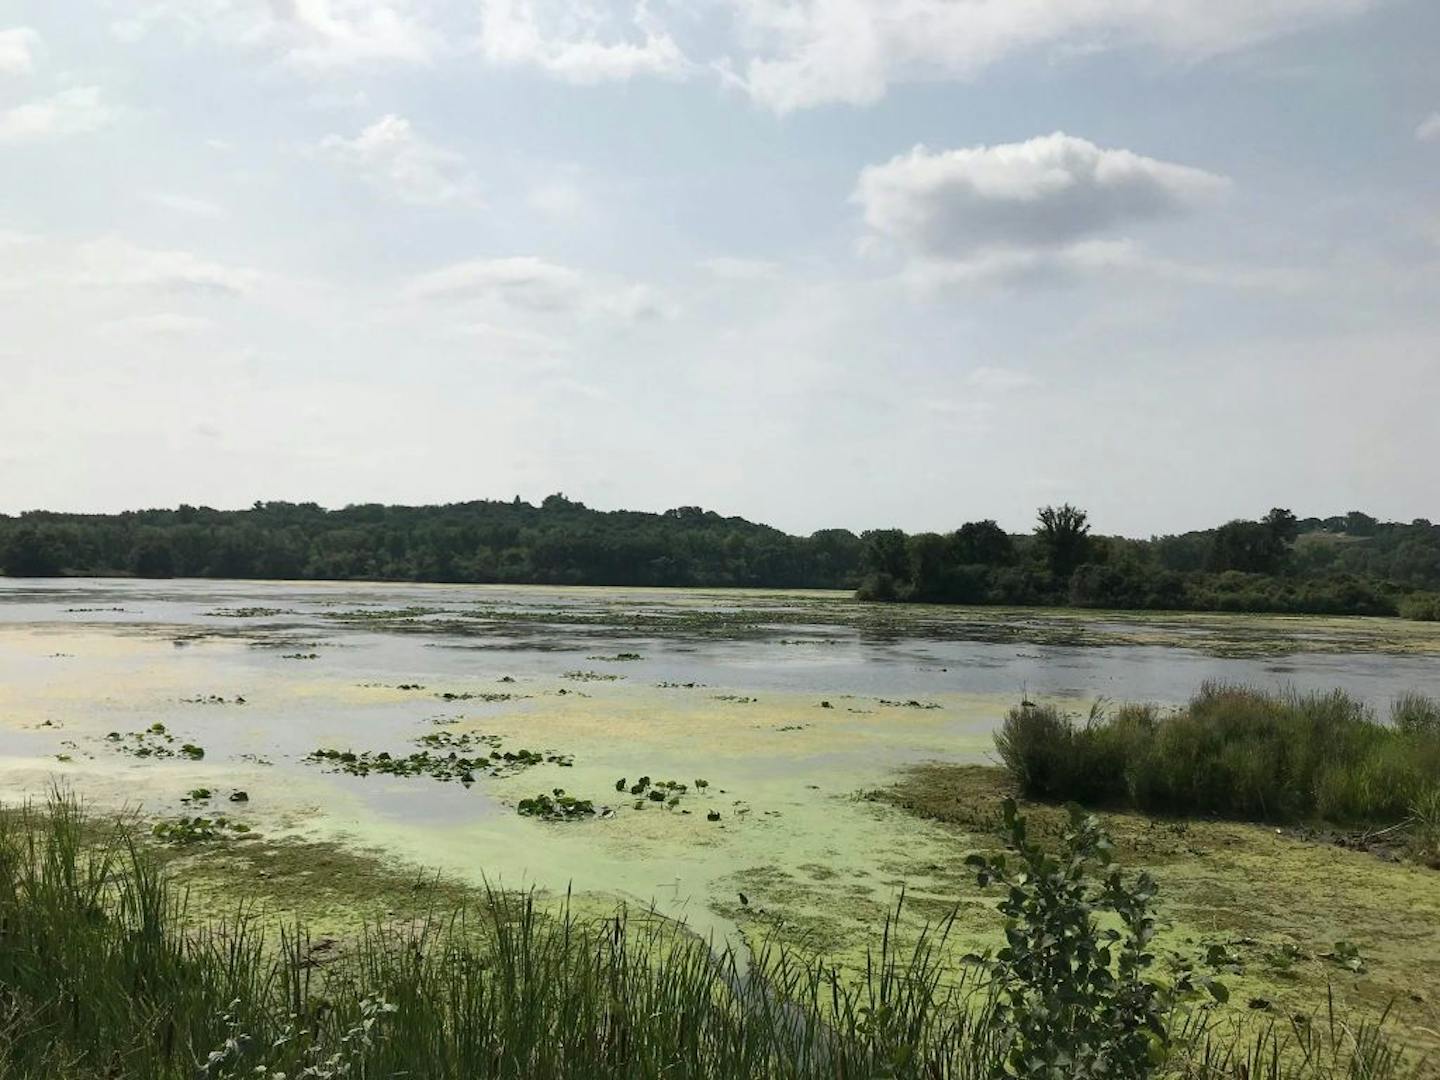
1075	1000
1416	714
1236	752
1423	607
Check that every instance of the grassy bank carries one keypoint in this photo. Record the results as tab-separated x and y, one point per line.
104	973
1242	753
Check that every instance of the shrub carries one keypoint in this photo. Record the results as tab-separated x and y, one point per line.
1424	607
1236	752
1075	1000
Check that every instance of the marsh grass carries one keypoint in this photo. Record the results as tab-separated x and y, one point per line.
1236	752
105	974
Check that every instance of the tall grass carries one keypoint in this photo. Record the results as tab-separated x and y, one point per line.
1238	752
103	974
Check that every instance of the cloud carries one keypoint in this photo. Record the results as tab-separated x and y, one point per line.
164	324
531	285
113	262
315	36
392	157
1045	193
1429	128
579	44
70	112
17	50
522	281
814	52
188	205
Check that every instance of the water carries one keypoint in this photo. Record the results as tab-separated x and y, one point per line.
80	659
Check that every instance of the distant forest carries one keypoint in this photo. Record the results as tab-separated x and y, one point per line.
1350	564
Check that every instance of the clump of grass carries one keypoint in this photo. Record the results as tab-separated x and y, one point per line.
1416	714
1234	751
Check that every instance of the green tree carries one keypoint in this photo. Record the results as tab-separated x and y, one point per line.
1064	536
983	543
31	552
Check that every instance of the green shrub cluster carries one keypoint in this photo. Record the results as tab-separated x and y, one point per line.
1236	752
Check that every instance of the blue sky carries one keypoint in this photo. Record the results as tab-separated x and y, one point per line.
817	262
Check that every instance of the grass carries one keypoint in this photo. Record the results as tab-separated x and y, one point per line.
104	973
1236	752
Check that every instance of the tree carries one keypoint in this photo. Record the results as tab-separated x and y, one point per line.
1064	536
983	543
1282	525
31	552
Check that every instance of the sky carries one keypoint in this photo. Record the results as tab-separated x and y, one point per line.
819	263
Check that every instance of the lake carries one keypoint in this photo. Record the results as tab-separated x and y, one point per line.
787	704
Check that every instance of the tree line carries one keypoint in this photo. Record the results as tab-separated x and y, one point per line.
1350	564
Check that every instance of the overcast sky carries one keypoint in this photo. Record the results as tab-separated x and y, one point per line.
816	262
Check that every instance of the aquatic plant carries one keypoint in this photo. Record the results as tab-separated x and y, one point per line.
198	830
460	757
154	742
557	806
591	676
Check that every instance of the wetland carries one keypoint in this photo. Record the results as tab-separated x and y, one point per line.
757	767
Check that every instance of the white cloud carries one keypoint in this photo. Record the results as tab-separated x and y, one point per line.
1429	128
17	50
70	112
810	52
313	35
529	285
1046	193
391	156
163	324
579	43
188	205
113	262
522	281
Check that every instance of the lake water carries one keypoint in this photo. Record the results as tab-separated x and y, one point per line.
728	686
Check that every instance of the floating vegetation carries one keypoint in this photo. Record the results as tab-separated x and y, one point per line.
154	742
668	792
680	686
199	794
591	676
447	757
212	699
911	704
792	727
198	830
300	656
618	658
557	806
249	612
487	697
78	610
256	759
738	699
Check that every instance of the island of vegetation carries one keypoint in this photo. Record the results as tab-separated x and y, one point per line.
1352	564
